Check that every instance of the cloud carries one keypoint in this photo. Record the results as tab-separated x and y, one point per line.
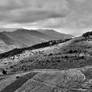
31	10
69	14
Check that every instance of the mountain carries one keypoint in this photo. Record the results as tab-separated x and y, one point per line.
20	38
55	35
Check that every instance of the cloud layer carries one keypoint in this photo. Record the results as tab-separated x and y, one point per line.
31	10
71	14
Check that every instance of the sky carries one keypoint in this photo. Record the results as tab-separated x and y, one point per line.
69	16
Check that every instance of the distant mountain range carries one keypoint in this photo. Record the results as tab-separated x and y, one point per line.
23	38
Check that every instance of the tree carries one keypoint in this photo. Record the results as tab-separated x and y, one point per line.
87	34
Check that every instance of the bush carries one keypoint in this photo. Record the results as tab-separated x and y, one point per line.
4	72
17	77
87	34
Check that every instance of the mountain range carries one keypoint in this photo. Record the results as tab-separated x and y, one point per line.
20	38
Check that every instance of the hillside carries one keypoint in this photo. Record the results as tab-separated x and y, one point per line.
73	53
53	66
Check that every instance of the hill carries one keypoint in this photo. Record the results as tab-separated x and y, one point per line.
72	53
53	66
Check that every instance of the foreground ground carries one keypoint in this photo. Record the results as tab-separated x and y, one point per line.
49	80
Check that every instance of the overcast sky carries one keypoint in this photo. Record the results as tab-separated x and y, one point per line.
67	14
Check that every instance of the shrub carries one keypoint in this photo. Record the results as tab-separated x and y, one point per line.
17	77
87	34
4	72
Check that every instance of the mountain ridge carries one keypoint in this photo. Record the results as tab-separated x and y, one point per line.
24	38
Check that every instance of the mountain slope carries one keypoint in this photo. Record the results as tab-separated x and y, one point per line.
73	53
